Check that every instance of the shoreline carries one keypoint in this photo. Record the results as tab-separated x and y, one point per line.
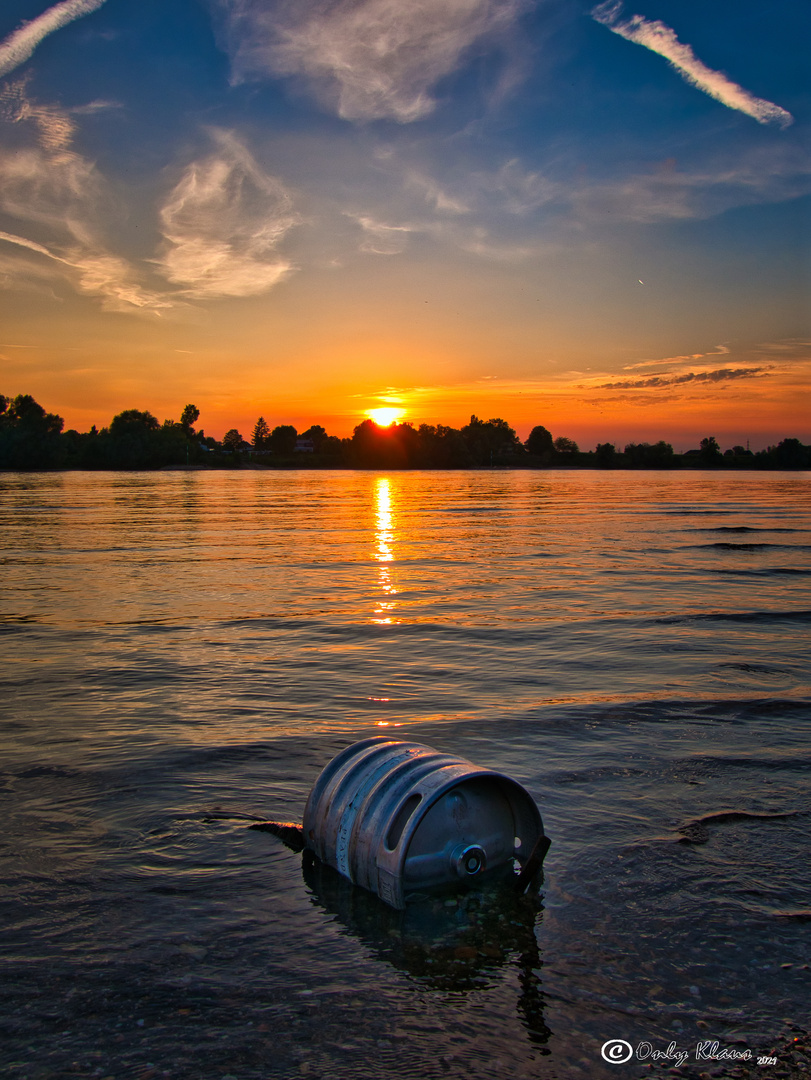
290	466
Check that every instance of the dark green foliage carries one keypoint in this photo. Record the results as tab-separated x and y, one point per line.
645	456
328	450
331	450
490	442
790	454
187	418
441	447
232	441
540	444
282	440
317	435
375	447
261	434
133	422
135	440
565	448
710	452
29	436
606	454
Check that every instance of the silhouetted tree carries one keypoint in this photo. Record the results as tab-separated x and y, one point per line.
135	440
189	417
566	447
29	436
392	447
489	440
331	449
790	454
133	422
441	447
232	440
282	440
261	434
540	443
606	454
710	451
317	435
645	456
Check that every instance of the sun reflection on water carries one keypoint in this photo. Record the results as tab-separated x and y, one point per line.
384	538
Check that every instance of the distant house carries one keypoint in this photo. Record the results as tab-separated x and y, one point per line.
304	446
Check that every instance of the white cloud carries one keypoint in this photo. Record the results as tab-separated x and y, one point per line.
520	191
660	39
99	274
379	238
19	46
55	126
366	59
222	224
112	278
767	174
52	189
57	195
480	241
21	241
441	200
677	361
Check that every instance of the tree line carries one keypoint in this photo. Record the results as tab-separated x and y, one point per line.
32	438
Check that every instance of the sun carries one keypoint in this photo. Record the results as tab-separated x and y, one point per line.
384	417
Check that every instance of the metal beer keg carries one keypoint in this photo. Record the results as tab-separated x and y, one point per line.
399	817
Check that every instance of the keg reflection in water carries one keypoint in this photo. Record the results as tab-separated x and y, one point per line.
453	941
399	817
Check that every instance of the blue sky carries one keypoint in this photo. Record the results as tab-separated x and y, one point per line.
596	218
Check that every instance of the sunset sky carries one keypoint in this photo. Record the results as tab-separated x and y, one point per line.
591	218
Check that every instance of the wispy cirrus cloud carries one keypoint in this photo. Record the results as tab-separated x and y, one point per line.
760	175
55	125
380	238
660	39
55	199
20	45
99	273
719	350
364	59
222	224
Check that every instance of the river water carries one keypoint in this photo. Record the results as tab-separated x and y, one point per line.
183	648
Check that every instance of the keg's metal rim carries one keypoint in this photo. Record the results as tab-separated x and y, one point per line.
450	782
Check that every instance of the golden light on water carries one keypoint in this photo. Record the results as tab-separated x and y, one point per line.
384	537
384	417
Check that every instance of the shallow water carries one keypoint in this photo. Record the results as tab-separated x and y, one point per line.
179	647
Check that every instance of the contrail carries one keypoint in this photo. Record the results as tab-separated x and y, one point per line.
660	39
18	46
10	238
